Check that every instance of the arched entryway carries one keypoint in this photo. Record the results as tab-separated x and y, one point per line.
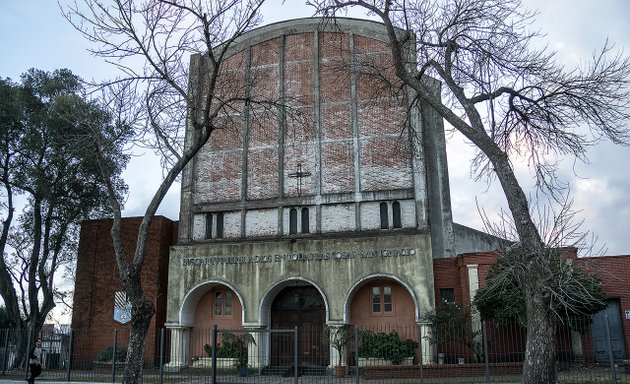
219	306
301	307
383	305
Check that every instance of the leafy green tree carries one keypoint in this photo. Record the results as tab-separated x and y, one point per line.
56	183
452	322
5	320
576	294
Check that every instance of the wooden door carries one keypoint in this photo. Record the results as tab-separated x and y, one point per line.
302	307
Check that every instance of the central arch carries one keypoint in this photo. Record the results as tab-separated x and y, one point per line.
302	307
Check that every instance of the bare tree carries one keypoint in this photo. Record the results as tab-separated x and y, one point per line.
508	99
167	106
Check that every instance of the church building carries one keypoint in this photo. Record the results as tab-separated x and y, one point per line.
330	218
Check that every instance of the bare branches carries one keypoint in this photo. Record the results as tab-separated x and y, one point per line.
504	89
510	100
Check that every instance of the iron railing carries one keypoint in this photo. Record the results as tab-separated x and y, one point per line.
482	353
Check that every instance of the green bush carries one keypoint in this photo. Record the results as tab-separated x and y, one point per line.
387	346
107	353
232	346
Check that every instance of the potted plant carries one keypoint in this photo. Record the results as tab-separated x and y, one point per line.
338	337
236	347
233	347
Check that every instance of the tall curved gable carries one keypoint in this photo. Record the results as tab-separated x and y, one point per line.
341	140
344	127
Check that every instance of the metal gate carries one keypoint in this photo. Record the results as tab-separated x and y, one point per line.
256	357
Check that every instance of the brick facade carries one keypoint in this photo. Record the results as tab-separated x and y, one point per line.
613	271
97	280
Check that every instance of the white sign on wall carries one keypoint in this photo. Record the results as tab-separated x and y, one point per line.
122	308
627	315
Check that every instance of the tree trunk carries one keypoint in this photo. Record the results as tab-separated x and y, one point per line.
540	352
140	320
534	274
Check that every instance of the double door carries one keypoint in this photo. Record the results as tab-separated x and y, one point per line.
301	307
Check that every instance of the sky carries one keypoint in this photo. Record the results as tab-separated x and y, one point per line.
33	34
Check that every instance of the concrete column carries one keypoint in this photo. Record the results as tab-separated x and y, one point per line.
256	351
179	348
334	353
428	348
473	286
576	345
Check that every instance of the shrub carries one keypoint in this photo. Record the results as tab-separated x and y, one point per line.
107	354
232	346
386	346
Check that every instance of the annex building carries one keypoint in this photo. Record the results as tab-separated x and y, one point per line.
340	216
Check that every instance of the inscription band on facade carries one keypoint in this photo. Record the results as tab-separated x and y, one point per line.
201	261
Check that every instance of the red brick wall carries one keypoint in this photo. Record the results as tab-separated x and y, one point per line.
97	280
614	272
335	106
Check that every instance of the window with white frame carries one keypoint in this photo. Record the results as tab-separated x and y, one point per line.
382	300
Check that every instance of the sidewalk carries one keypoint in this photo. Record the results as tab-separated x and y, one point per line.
44	381
48	381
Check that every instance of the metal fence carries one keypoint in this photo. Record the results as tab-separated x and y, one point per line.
482	353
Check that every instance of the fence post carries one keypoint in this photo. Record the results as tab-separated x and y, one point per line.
70	352
486	366
114	356
214	355
6	351
421	358
162	355
613	373
295	354
356	354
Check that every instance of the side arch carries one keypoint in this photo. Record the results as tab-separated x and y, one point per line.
360	283
189	304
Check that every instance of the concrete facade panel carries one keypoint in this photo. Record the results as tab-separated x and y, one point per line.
332	265
262	222
338	218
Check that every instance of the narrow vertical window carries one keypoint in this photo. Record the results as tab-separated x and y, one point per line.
218	303
306	228
219	225
376	299
387	299
293	221
397	223
208	225
384	216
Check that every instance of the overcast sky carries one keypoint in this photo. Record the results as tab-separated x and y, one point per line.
33	34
